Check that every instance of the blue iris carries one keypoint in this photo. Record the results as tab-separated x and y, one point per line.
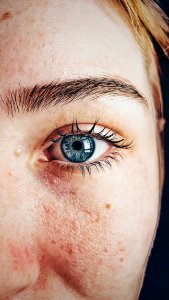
77	148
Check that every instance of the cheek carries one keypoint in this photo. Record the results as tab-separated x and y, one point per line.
74	239
93	232
75	234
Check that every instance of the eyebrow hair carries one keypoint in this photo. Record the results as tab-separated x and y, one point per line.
42	96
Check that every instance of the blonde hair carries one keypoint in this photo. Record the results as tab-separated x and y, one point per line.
147	21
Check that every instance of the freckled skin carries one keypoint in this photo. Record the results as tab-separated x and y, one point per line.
5	16
64	236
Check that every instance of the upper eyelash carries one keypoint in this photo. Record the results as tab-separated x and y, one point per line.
99	135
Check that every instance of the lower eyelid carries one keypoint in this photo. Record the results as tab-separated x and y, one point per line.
60	169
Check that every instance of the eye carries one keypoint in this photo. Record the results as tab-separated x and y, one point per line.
82	146
77	148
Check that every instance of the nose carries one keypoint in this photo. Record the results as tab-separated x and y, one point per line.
19	269
19	266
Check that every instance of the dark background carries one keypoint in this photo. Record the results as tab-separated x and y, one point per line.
156	283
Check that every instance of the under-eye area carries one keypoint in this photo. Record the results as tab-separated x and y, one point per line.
82	147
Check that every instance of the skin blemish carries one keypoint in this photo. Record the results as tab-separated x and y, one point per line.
53	242
7	15
121	247
42	281
41	34
105	250
107	206
120	251
69	249
9	174
18	152
94	216
21	258
30	19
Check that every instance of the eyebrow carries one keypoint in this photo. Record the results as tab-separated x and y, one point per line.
43	96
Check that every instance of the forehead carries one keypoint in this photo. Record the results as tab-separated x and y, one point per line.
46	40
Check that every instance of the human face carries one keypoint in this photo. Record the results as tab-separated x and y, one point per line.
71	228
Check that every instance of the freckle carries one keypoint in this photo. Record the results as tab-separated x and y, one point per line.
48	210
120	247
69	250
30	19
5	16
121	259
61	247
108	205
73	193
18	12
17	152
97	219
87	211
73	226
41	34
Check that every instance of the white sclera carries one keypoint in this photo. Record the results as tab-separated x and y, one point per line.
101	147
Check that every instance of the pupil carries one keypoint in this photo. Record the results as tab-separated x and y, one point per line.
77	145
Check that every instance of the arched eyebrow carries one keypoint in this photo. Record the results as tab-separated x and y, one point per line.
43	96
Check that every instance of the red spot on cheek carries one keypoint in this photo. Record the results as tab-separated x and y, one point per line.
41	284
7	15
53	242
49	213
22	257
68	249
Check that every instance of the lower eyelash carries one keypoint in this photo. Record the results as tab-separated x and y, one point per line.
87	168
102	164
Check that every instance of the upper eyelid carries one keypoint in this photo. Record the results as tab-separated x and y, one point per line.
58	132
107	136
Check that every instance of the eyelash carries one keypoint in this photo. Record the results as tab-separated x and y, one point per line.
102	135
